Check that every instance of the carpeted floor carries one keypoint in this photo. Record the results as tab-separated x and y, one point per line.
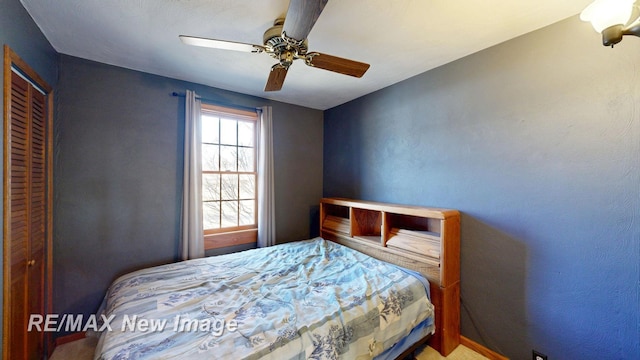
83	350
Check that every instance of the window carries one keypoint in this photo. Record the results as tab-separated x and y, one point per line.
229	176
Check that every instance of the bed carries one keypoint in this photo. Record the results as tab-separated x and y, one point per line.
313	299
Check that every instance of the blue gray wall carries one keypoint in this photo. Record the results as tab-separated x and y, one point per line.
118	167
537	142
18	30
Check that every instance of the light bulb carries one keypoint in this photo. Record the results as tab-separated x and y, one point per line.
606	13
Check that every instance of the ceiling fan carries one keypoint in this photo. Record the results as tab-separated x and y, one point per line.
286	41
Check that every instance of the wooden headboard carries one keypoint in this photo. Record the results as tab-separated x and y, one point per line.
426	240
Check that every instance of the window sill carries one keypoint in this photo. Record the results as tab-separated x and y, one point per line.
221	240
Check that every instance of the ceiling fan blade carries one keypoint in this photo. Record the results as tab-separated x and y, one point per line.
337	64
220	44
276	78
301	16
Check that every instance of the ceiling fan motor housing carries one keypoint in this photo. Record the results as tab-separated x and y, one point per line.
277	45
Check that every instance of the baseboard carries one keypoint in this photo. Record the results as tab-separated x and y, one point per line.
482	350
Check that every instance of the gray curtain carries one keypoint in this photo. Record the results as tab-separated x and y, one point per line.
192	239
266	196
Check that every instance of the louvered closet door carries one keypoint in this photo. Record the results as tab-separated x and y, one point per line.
37	199
38	217
19	202
27	201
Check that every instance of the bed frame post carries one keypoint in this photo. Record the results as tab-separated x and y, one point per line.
449	289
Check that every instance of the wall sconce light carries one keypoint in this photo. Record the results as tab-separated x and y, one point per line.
610	18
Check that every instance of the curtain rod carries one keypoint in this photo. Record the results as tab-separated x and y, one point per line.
214	102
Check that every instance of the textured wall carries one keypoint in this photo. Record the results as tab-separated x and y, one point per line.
23	36
537	142
118	170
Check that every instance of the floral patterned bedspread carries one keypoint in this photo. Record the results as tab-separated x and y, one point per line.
312	299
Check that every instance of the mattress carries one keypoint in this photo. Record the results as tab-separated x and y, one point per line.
311	299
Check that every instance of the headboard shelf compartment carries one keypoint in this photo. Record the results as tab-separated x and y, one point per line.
423	239
336	219
424	243
366	225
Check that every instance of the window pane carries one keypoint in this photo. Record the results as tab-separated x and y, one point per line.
228	132
229	166
247	186
229	213
246	133
211	215
210	129
229	186
247	212
210	187
210	157
228	158
245	159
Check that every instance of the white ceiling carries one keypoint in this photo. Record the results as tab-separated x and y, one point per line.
399	38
